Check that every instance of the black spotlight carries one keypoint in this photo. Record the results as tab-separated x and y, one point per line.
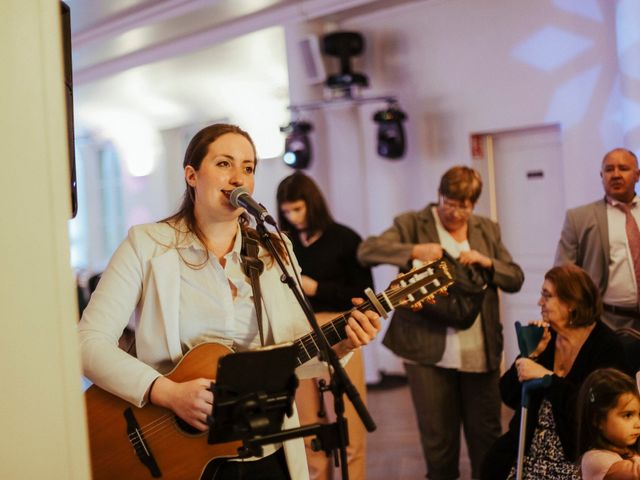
297	146
344	45
390	132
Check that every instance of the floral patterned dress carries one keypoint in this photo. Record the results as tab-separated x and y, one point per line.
546	458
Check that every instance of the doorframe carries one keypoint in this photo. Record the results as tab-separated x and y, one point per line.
484	161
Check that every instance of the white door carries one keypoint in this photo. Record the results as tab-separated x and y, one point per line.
529	203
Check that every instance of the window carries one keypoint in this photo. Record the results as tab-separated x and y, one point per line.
99	226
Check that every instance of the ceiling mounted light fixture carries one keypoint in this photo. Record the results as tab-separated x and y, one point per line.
391	138
297	145
344	46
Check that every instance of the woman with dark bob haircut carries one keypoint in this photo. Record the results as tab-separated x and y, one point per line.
574	343
185	282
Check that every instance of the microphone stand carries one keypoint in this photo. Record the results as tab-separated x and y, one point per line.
340	382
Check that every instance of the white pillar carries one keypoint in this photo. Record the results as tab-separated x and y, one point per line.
43	420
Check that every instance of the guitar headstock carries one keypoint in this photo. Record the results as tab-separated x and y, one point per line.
421	284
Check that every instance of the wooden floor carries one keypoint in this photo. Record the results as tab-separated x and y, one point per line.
393	450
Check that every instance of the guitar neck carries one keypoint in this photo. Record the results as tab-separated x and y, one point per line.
409	290
334	330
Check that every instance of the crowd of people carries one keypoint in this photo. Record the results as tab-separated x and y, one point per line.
185	280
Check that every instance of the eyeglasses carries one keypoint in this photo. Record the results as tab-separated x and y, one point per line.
453	206
546	296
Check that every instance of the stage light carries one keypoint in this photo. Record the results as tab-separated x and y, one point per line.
345	45
391	142
297	146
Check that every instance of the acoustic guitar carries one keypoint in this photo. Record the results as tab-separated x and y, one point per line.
132	443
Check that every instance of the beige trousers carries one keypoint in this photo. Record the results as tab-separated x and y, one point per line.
308	404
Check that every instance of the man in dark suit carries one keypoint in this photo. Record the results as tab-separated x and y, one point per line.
453	373
603	239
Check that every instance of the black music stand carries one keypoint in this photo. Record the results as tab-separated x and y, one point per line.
253	392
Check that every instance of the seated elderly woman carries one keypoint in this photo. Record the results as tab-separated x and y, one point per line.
574	344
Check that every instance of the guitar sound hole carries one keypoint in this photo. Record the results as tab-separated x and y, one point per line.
186	428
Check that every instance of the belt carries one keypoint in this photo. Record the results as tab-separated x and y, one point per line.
624	311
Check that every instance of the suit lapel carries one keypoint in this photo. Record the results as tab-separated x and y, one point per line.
429	231
166	274
475	236
600	212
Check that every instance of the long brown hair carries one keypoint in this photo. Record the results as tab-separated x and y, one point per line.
194	155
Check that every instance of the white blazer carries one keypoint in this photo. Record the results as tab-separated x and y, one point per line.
143	279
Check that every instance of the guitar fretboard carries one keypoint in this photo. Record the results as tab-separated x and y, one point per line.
334	331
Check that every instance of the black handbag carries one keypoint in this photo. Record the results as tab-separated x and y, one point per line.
463	302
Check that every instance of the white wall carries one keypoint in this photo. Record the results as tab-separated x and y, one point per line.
470	66
455	67
42	420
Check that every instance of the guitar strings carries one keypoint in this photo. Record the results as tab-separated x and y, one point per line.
159	425
309	342
151	429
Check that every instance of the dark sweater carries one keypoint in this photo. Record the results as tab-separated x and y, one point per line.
601	349
331	261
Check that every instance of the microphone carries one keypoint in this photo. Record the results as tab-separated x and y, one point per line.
240	198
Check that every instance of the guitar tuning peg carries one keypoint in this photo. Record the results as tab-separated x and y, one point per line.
430	300
416	306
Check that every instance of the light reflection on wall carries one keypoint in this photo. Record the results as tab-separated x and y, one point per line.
628	43
550	48
585	8
612	121
631	109
627	36
572	98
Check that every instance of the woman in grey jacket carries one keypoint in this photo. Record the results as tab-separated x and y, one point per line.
453	374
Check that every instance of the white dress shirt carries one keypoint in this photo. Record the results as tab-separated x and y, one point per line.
621	288
209	311
464	349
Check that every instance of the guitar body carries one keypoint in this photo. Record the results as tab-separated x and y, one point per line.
132	443
180	452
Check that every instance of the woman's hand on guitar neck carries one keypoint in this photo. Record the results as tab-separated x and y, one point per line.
191	401
361	329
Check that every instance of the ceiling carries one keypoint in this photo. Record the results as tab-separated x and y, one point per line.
108	32
168	63
113	35
144	66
